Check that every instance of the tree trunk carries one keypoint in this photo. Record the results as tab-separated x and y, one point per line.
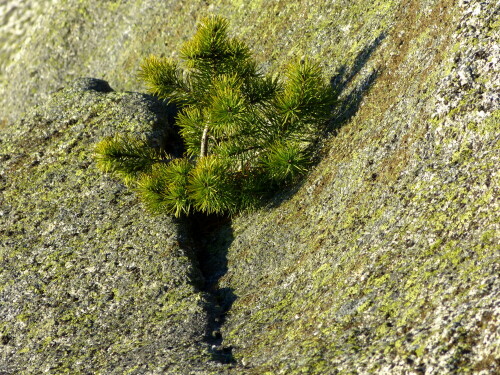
204	142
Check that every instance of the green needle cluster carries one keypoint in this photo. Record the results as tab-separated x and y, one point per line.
244	133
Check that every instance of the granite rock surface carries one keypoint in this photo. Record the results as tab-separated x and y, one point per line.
384	259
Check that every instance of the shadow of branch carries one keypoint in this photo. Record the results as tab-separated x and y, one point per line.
349	102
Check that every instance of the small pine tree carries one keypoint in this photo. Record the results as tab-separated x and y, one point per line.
244	133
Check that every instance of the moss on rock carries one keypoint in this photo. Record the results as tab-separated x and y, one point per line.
380	262
384	260
88	281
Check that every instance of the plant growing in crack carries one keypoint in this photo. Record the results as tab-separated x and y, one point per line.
245	133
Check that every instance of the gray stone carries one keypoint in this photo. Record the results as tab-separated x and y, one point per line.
89	281
383	260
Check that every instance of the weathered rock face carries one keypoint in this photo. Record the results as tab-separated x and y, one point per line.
49	43
89	282
387	260
384	260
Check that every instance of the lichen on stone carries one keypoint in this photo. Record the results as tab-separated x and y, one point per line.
384	260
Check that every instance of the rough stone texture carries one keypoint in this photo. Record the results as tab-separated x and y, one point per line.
89	282
61	40
384	260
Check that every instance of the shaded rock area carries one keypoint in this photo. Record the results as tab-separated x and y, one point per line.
384	259
89	281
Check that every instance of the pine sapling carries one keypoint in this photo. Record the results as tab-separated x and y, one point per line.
244	133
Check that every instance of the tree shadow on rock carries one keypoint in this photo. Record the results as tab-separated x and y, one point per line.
213	235
349	102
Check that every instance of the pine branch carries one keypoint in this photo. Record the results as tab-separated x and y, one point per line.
165	80
285	161
165	188
210	187
306	98
127	157
191	121
204	142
